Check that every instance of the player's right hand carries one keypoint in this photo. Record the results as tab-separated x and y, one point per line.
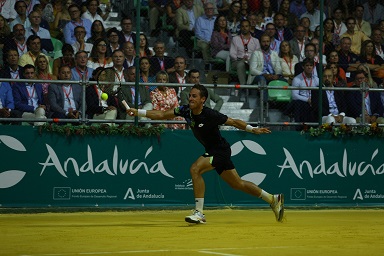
132	112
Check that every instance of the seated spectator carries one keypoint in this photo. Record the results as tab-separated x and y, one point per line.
312	14
376	38
373	110
340	27
179	75
62	18
43	73
80	44
45	10
126	33
159	61
28	97
113	39
97	31
34	50
297	8
331	40
333	103
22	15
282	32
270	30
373	61
241	48
186	17
310	53
357	37
171	9
298	43
264	64
36	29
16	41
65	99
11	68
100	55
67	59
81	71
306	23
91	12
98	108
361	24
194	78
76	20
367	71
203	30
165	98
292	19
339	80
234	18
129	54
347	59
144	47
128	93
257	24
8	11
118	59
301	104
333	58
5	32
288	61
146	76
373	11
316	42
268	11
221	41
7	105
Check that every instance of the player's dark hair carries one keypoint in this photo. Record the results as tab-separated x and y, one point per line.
202	89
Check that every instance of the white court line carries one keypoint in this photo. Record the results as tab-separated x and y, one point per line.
202	250
219	253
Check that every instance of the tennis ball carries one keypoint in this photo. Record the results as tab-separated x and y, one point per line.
104	96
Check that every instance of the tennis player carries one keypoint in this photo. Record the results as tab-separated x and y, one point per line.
204	123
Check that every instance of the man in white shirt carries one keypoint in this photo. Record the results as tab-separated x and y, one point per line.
36	29
301	99
21	18
312	14
340	27
91	12
80	44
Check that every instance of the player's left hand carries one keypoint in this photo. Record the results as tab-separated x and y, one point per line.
260	130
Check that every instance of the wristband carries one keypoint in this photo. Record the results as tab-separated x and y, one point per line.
142	113
248	128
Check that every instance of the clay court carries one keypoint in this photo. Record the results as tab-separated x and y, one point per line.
228	232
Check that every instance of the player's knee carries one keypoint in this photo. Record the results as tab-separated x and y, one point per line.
194	170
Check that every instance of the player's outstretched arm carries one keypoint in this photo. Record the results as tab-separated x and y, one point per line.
240	124
151	114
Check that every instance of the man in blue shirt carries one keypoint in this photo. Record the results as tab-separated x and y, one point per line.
203	30
7	104
76	20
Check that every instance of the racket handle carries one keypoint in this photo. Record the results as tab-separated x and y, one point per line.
125	104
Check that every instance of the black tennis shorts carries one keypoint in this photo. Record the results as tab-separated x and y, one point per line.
221	159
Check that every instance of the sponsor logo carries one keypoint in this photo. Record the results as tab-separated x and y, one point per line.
11	177
185	185
254	177
298	194
61	193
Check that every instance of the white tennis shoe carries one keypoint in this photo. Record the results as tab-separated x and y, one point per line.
197	218
278	207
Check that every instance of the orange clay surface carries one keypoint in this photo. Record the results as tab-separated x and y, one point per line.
228	232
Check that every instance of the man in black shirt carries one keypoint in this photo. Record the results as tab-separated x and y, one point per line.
204	123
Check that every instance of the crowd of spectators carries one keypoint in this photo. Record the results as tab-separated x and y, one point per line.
257	41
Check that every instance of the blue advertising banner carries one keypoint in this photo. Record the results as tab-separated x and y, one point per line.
50	170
